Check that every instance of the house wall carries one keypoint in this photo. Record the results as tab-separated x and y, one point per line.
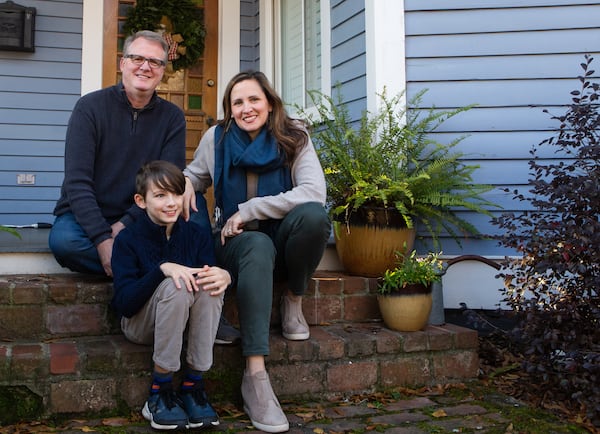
348	57
37	92
513	58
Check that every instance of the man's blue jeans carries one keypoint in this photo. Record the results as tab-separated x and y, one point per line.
74	250
71	246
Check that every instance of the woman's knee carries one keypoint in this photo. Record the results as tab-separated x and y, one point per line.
309	218
257	241
254	246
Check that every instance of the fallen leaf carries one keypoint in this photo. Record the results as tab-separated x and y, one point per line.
115	421
305	416
439	413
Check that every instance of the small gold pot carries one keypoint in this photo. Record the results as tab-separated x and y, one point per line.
406	311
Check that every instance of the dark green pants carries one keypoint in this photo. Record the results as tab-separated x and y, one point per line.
255	259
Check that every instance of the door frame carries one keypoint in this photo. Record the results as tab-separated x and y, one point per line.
92	45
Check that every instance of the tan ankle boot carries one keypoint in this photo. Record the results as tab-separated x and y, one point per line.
293	324
261	404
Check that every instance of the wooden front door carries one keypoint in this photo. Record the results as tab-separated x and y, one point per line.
193	89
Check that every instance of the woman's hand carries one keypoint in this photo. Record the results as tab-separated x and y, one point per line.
233	226
189	199
213	279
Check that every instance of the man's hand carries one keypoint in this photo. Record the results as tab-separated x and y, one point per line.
105	254
116	228
189	200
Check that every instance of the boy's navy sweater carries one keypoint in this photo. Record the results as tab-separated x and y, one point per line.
142	247
107	142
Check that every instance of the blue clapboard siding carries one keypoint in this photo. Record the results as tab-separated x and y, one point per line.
348	59
39	148
37	93
513	59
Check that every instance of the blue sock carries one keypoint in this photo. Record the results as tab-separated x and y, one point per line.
191	378
160	380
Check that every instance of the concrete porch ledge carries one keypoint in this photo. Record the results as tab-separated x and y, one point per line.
31	255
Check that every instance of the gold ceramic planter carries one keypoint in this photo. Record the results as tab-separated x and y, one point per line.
406	312
369	250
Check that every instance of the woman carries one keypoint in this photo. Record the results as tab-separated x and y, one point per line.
269	208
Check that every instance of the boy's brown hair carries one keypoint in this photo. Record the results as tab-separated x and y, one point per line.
163	174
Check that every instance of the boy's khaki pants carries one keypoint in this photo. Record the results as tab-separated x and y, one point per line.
163	321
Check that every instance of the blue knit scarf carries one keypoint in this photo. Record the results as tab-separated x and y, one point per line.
235	153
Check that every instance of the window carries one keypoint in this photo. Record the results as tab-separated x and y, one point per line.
303	62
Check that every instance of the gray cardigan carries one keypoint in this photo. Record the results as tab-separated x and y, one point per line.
307	178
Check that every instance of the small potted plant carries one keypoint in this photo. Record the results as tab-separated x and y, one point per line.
404	292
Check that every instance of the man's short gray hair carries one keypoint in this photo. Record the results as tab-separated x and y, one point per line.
150	36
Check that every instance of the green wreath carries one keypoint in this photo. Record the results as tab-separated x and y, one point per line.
181	23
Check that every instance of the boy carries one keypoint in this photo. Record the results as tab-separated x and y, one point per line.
164	281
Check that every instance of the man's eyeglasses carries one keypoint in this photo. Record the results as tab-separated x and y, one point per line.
138	60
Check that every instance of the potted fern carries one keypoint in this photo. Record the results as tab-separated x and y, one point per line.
385	174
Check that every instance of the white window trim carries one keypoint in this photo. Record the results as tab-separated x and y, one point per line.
228	58
267	28
385	49
270	49
326	44
91	45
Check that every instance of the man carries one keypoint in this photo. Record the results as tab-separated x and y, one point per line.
112	132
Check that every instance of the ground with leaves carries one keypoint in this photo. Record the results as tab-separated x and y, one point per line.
500	401
500	366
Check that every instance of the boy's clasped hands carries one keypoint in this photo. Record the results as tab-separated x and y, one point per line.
213	279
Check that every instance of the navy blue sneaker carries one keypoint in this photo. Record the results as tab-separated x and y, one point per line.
199	411
226	333
164	409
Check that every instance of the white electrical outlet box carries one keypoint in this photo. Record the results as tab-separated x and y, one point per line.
25	179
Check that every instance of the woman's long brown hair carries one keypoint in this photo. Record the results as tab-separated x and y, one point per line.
288	132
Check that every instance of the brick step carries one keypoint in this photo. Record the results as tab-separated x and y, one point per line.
96	373
70	305
52	306
60	343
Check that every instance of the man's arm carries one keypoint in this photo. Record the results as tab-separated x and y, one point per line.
80	156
